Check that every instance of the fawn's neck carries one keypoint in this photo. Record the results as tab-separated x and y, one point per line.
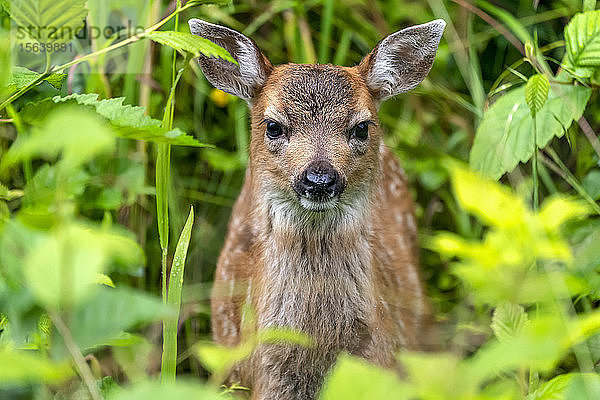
317	269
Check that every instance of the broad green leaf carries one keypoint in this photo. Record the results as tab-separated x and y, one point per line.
355	379
62	268
505	135
582	39
21	77
151	390
488	200
77	135
194	44
169	357
22	367
536	93
508	320
439	376
129	122
553	389
559	209
48	21
112	109
102	318
583	387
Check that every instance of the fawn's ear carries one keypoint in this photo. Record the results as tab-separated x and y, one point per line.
241	80
401	60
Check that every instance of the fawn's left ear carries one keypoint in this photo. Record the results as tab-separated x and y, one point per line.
244	79
401	60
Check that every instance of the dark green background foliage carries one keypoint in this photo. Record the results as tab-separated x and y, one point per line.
101	158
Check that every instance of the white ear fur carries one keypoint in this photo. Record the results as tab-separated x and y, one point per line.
241	80
402	60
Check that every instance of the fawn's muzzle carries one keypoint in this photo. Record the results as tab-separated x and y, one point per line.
319	182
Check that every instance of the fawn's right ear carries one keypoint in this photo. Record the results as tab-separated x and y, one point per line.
241	80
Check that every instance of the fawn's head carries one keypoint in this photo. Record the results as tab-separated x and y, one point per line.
315	138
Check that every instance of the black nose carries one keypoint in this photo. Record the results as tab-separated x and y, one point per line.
319	181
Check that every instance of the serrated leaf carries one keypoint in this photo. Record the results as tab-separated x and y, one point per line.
196	45
22	77
505	135
508	321
129	122
582	39
48	21
113	110
536	93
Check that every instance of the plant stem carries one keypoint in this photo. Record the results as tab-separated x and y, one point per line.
534	164
564	173
590	134
84	370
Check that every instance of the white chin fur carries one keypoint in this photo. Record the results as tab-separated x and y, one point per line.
318	206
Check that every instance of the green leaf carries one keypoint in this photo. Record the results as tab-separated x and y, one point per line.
62	269
508	321
582	38
591	184
102	319
129	122
48	21
77	135
553	389
536	93
19	367
491	202
355	379
150	390
196	45
22	77
169	357
505	135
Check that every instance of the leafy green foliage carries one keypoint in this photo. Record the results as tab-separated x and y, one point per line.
130	122
505	135
196	45
353	378
582	38
21	77
48	21
61	133
508	321
536	93
18	366
515	291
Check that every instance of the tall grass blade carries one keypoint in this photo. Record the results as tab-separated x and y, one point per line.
169	356
326	24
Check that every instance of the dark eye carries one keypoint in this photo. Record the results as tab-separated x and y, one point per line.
361	130
274	130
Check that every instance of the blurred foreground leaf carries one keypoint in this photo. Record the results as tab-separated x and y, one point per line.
18	367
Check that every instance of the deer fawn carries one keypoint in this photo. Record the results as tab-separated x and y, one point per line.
322	238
